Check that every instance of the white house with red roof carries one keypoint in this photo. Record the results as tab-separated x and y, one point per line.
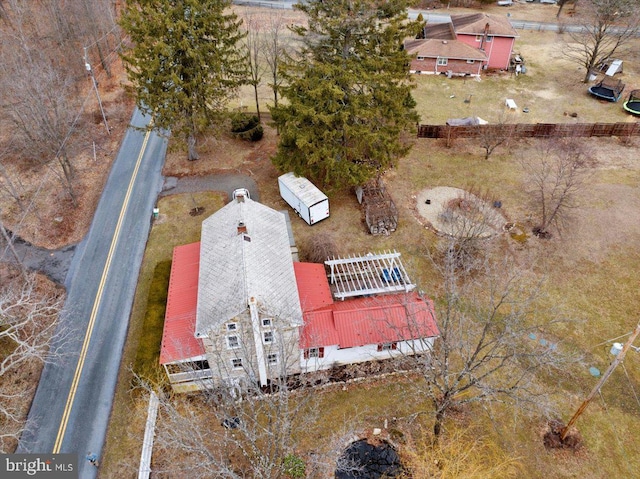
240	309
358	328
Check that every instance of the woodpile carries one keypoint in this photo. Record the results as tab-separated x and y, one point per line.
379	210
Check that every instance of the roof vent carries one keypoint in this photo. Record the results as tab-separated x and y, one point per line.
242	228
444	41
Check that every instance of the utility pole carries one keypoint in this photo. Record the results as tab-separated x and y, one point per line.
87	65
605	376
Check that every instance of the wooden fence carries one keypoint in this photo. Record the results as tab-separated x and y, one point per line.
528	130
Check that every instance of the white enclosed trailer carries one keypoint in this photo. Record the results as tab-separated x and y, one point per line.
311	204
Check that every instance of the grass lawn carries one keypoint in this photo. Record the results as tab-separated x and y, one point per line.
174	227
590	271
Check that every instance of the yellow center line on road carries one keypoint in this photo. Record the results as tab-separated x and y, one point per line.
96	304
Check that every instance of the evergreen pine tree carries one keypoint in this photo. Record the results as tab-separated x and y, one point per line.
185	62
348	93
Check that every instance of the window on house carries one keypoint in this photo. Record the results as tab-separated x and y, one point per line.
236	363
233	342
420	58
478	38
470	61
272	359
442	62
314	353
266	322
267	336
232	326
387	346
489	38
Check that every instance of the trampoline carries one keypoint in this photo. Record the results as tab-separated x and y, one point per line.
607	89
632	105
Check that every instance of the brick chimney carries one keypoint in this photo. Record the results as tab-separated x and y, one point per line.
242	228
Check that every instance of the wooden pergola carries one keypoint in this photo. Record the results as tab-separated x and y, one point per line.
367	275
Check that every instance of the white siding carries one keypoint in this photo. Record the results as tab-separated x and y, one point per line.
340	357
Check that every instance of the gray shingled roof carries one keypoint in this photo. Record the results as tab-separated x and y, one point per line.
475	24
235	267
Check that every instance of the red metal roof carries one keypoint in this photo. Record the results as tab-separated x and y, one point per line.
384	319
318	330
178	337
313	287
360	321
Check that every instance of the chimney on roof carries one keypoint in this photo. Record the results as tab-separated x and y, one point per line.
242	228
240	198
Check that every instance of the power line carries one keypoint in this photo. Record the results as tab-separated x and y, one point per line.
631	385
115	27
618	359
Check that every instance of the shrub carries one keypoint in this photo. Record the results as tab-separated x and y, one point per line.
255	134
242	122
247	127
294	467
320	247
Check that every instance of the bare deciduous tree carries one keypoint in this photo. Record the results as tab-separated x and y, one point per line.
488	351
27	322
555	179
610	26
469	220
274	47
99	30
6	238
218	433
236	427
44	95
10	183
251	25
44	113
492	136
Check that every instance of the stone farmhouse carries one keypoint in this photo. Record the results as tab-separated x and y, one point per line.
464	46
241	311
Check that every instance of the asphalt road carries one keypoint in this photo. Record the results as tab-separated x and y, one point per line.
73	401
